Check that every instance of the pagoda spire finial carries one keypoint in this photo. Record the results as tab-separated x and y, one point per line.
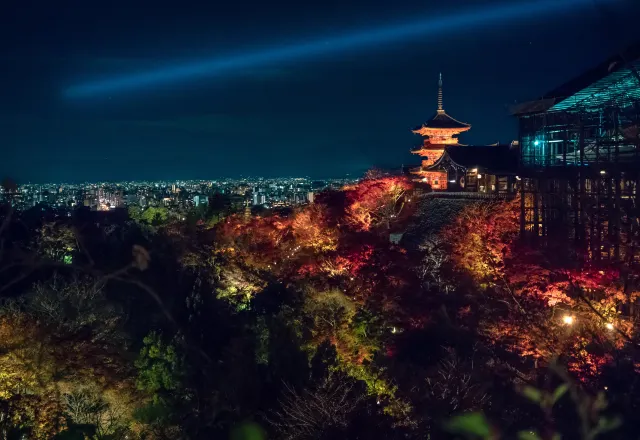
440	109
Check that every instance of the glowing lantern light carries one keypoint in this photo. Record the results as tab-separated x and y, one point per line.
567	319
609	326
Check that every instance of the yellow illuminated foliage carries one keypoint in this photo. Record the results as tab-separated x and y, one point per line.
311	229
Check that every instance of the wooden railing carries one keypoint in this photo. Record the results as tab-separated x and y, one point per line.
469	195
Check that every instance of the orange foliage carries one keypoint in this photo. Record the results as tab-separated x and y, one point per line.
311	229
375	202
349	263
540	287
481	237
261	241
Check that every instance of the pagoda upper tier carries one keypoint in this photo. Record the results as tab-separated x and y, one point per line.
441	129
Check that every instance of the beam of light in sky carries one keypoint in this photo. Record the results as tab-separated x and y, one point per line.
369	38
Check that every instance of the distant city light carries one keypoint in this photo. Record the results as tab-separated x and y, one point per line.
518	178
603	172
479	176
536	142
567	319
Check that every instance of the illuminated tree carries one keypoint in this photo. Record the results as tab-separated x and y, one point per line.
376	202
481	238
262	242
311	229
57	242
539	303
57	338
332	313
28	395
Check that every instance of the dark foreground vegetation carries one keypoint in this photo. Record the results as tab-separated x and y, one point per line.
310	324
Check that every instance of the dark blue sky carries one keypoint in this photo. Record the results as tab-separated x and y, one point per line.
324	116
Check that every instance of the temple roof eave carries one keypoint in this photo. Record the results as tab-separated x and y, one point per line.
429	131
442	121
440	163
498	159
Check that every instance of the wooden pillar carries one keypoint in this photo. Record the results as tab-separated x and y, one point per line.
582	183
616	216
522	211
575	208
536	219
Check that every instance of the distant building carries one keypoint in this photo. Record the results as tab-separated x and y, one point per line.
200	200
310	197
131	199
259	198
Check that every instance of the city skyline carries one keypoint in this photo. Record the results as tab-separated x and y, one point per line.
347	176
179	196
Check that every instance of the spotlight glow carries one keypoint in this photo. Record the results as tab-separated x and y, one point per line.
430	27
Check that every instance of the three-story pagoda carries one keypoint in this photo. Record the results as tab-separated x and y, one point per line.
439	132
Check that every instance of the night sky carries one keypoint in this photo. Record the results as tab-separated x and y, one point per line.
340	110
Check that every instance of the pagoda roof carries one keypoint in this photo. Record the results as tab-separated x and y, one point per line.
494	158
442	120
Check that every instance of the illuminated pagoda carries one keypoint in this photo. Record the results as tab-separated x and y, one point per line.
439	132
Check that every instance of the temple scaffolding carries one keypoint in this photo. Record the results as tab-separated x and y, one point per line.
580	162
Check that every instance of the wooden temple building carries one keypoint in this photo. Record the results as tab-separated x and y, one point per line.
575	166
449	165
580	161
